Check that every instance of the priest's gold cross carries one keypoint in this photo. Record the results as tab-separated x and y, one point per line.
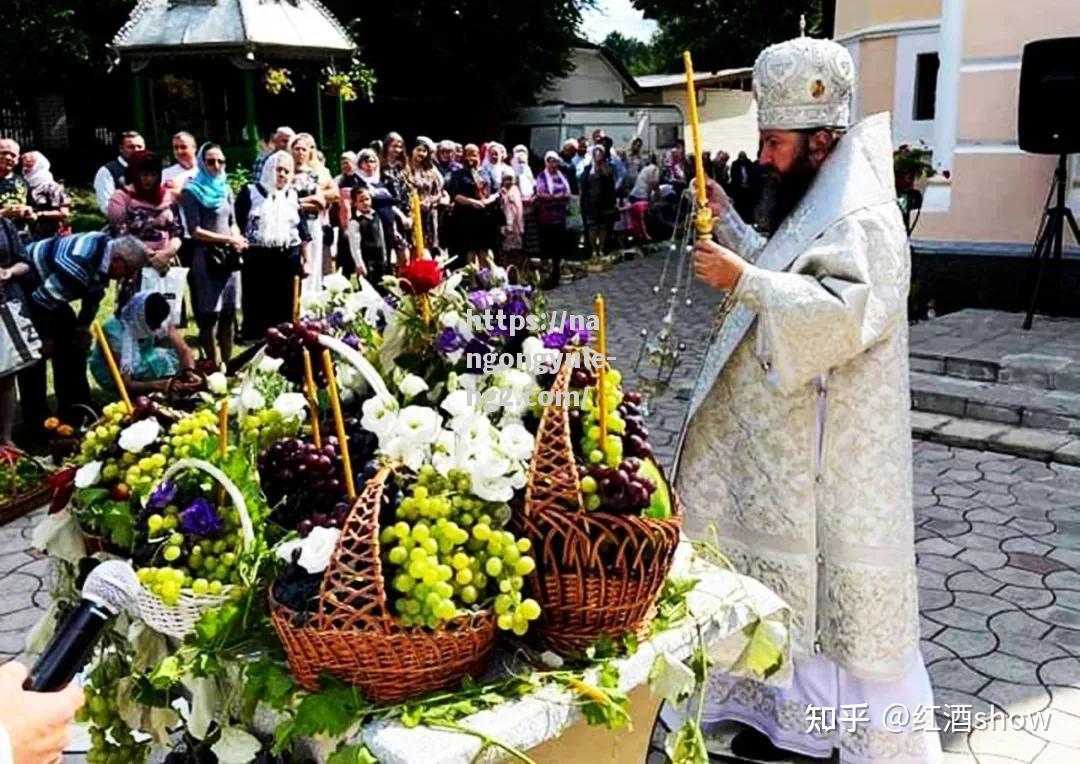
703	217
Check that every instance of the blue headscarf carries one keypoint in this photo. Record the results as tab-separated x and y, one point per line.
211	191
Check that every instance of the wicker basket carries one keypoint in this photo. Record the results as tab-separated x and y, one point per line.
353	636
179	620
16	505
597	574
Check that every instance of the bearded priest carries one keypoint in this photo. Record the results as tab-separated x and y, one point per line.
798	446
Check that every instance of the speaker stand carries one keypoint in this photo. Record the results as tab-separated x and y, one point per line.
1050	240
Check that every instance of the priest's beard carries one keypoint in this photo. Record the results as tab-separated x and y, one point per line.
791	186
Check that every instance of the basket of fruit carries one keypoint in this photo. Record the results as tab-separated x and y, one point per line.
340	622
605	532
188	558
24	484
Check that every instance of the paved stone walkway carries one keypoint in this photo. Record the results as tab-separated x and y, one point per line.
998	547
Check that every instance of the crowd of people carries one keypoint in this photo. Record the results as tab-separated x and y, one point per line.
242	250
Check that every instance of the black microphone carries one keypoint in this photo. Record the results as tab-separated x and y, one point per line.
110	588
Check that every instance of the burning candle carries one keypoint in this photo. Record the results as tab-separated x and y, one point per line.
339	423
110	361
313	401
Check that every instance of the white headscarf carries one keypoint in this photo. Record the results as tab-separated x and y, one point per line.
278	214
41	174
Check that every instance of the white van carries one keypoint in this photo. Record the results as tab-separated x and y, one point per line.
545	128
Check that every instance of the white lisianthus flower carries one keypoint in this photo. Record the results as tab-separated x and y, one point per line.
139	435
493	488
88	474
348	378
516	441
217	383
518	479
451	284
270	365
335	283
291	405
412	385
379	416
497	295
540	358
315	550
411	452
314	301
456	403
367	301
474	430
450	319
251	399
419	424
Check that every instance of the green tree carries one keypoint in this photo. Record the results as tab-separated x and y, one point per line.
723	34
637	56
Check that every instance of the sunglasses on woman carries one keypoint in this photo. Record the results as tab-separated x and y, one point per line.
215	162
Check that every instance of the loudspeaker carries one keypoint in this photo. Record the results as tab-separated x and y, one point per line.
1049	97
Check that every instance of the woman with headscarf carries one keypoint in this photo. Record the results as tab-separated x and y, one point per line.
473	219
382	200
598	201
47	199
425	179
143	208
317	192
525	180
268	212
133	337
494	164
552	201
206	206
340	212
512	233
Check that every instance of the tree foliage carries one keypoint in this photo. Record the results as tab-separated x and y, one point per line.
722	34
637	56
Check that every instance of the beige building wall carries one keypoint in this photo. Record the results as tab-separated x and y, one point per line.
855	15
877	75
728	119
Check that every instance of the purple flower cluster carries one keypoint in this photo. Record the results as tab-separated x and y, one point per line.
336	319
557	339
163	495
200	519
449	340
352	341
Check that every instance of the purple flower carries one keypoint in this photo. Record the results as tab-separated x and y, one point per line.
480	299
516	306
200	519
518	290
336	319
353	341
484	275
554	340
579	337
163	495
449	340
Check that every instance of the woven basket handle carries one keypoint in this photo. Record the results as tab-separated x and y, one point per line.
553	480
353	592
247	530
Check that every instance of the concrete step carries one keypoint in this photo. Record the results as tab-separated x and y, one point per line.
1043	445
1013	405
1037	370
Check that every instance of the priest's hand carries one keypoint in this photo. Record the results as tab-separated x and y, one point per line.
719	201
717	266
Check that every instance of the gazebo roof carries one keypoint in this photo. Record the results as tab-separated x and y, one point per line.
285	28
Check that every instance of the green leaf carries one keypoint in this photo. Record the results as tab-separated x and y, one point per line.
236	746
268	682
352	754
166	673
761	657
330	712
671	679
687	745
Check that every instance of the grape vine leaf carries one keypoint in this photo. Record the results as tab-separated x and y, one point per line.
269	682
760	656
686	745
352	754
671	679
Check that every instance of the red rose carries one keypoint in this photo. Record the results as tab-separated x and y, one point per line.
63	485
420	276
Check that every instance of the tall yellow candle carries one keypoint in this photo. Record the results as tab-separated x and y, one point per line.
110	361
313	400
339	423
703	218
601	347
296	299
223	442
417	225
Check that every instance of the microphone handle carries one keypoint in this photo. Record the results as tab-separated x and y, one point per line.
70	648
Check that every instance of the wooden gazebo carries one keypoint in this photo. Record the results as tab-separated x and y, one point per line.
196	63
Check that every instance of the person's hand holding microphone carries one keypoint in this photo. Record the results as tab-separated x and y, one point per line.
37	724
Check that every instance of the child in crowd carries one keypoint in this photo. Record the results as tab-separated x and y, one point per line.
366	240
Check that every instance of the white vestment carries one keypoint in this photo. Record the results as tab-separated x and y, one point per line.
798	451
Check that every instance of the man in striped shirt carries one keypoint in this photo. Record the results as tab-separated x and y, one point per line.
66	269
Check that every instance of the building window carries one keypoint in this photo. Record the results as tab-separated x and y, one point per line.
926	70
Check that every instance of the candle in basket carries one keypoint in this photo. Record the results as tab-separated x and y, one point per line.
601	365
223	442
313	400
703	217
296	299
417	226
339	423
110	361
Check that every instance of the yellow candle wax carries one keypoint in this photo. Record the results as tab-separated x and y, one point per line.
339	423
418	228
703	218
313	400
296	299
110	361
601	348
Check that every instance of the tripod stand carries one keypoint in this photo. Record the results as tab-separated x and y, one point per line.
1051	236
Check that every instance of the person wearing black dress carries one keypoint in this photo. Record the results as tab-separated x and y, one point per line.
473	222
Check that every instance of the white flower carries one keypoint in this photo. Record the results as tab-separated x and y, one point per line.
251	399
474	430
450	319
314	301
493	488
291	405
379	416
315	550
335	283
419	424
367	300
139	435
516	441
456	403
539	359
412	386
452	283
217	383
412	453
497	296
270	365
88	474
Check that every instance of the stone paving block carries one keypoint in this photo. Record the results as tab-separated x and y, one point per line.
1035	563
969	433
1032	527
1019	623
937	546
924	422
941	564
934	599
1065	699
956	675
964	643
927	365
1016	745
1015	697
991	412
1066	579
1038	650
1016	576
982	560
958	618
981	603
966	368
1025	597
1031	444
1067	638
1006	669
1025	544
1069	453
1070	557
1041	420
1059	616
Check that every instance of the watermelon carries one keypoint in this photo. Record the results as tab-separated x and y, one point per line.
660	502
